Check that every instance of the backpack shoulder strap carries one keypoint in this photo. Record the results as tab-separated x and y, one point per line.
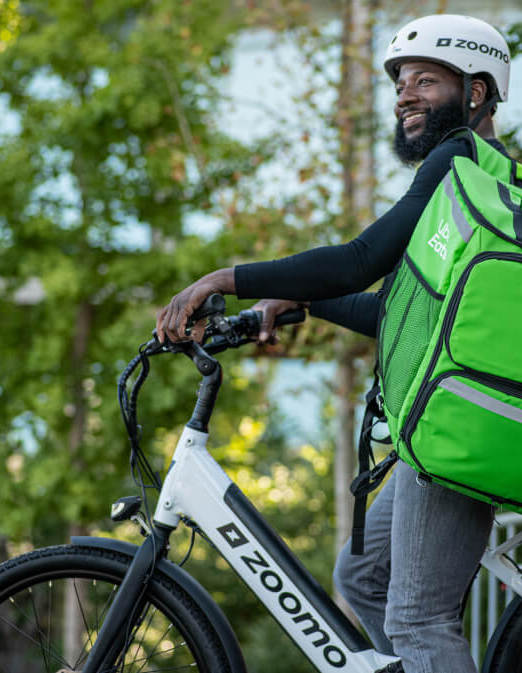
491	160
516	175
368	479
464	132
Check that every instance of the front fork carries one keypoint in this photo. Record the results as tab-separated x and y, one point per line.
128	604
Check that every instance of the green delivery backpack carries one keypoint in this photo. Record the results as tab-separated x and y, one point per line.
450	340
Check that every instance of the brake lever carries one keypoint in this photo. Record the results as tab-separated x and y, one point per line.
155	346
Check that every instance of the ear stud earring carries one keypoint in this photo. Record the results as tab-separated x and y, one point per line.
473	105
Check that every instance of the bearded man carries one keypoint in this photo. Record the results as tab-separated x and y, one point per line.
423	541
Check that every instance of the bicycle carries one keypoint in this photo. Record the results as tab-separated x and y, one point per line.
141	612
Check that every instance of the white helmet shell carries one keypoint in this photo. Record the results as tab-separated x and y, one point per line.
462	43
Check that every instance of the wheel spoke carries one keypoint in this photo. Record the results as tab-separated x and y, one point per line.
56	655
49	610
88	629
182	667
155	648
150	612
98	620
44	622
163	652
38	629
140	657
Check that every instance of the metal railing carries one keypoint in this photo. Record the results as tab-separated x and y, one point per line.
489	596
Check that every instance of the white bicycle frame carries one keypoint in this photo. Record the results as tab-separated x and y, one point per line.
198	488
497	562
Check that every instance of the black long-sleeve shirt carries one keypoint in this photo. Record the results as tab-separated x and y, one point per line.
358	312
325	275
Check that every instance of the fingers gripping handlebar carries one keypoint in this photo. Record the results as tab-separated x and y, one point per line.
221	333
211	306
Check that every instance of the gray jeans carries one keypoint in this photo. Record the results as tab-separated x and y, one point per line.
423	545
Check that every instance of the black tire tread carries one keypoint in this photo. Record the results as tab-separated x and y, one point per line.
504	653
21	569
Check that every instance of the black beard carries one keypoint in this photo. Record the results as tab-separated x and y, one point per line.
438	122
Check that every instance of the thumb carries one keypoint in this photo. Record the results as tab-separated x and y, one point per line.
267	324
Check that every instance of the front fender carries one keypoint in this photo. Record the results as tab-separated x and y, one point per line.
189	584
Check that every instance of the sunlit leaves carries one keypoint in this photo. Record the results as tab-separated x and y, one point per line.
10	20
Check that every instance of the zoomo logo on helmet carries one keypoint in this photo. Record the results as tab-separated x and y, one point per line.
465	44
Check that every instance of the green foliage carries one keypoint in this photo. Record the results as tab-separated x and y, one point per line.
118	142
114	105
112	101
514	36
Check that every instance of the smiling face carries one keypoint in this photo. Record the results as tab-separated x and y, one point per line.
421	87
429	104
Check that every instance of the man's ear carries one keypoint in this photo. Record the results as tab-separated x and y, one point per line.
479	91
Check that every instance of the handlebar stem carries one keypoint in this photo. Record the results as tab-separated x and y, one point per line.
204	362
207	395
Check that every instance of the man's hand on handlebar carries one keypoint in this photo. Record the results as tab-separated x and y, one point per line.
172	319
271	308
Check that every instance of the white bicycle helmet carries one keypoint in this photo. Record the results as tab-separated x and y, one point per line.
465	44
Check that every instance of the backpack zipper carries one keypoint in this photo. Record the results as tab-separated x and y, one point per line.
459	289
425	392
381	318
507	386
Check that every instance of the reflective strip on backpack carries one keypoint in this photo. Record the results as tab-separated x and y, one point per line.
463	225
481	399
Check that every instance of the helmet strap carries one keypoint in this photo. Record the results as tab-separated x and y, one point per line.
488	105
467	97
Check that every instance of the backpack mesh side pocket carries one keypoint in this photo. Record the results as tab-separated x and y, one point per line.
411	311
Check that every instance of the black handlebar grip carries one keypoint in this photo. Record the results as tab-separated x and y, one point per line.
290	317
212	305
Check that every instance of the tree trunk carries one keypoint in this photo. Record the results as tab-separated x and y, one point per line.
356	125
72	622
74	599
344	454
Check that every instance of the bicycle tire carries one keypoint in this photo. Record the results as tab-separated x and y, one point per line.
504	652
174	634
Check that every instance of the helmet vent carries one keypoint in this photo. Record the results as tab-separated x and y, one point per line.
413	35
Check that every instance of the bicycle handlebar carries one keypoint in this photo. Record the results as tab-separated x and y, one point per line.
211	306
221	333
290	317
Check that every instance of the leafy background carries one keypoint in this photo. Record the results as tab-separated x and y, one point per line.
116	140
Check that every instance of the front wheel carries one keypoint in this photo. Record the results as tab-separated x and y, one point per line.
54	600
504	653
